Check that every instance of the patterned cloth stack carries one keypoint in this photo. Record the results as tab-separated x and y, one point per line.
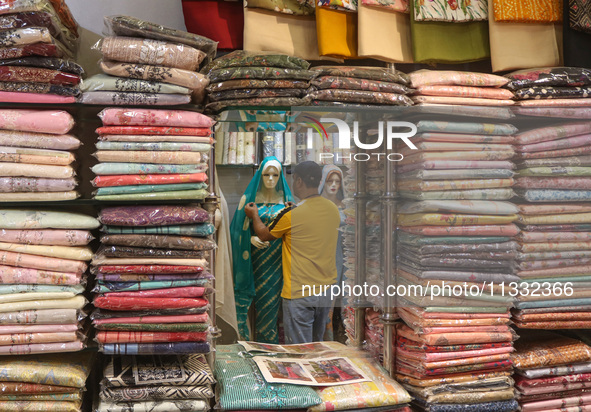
244	78
551	87
149	154
148	64
36	156
156	384
44	258
553	373
555	257
242	385
453	351
44	383
459	88
38	39
152	281
337	85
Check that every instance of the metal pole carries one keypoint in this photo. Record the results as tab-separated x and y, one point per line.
360	245
388	220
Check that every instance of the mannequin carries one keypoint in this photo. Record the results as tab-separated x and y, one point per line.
331	188
257	265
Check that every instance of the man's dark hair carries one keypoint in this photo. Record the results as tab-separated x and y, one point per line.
310	173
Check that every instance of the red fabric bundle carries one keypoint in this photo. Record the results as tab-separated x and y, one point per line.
125	304
222	21
154	130
125	180
183	292
149	337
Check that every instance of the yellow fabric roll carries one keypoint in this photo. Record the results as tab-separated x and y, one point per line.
556	219
384	34
521	45
337	33
76	302
440	219
268	31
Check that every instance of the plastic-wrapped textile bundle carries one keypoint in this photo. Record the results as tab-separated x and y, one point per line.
152	280
453	350
551	87
43	277
151	154
359	86
45	382
554	258
156	383
552	372
433	87
37	155
244	78
37	42
148	64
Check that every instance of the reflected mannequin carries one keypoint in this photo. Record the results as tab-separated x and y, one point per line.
331	188
257	266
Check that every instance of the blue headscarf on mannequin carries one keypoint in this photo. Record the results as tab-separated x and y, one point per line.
240	228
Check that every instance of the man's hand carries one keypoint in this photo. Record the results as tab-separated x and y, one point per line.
251	210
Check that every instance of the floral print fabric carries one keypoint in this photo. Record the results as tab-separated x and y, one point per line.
450	11
152	215
152	117
360	96
153	52
242	58
434	78
257	84
395	5
351	83
255	93
552	76
45	63
540	92
369	73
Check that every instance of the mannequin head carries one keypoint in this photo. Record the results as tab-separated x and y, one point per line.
270	177
331	186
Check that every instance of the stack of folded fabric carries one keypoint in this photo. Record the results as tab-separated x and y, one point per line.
554	266
552	373
44	258
37	40
456	160
156	384
152	280
35	157
51	382
460	88
239	374
555	163
148	64
244	78
152	154
551	87
457	370
359	86
374	334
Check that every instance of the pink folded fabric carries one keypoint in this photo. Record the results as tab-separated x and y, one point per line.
183	292
24	328
201	318
456	362
554	388
464	329
464	138
557	404
560	112
553	132
20	97
41	348
580	183
466	91
42	262
555	103
16	275
443	356
467	101
540	237
53	237
43	121
154	117
484	230
457	164
570	142
37	337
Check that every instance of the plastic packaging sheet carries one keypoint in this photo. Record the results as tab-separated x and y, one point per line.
45	171
361	96
35	184
256	101
44	263
554	195
155	349
185	78
571	171
466	91
474	101
254	93
457	78
351	83
43	121
46	237
135	252
164	319
467	128
157	327
126	180
257	84
583	183
259	73
38	140
152	278
443	185
199	230
194	195
456	164
567	143
127	304
161	157
38	88
154	130
160	392
117	315
541	92
148	51
37	75
140	189
369	73
35	156
38	196
473	207
105	169
155	146
243	58
146	269
159	241
464	138
133	99
153	215
131	26
119	287
553	132
553	350
551	76
156	139
483	230
11	274
176	292
103	82
64	252
153	117
38	49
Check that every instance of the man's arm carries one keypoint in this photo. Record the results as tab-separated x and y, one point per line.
259	227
